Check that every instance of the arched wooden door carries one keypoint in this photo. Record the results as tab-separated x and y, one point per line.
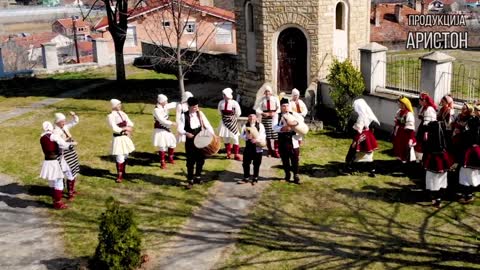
292	61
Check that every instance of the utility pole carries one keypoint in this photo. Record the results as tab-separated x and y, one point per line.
75	38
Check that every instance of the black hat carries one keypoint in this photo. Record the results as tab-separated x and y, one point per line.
284	101
251	111
192	101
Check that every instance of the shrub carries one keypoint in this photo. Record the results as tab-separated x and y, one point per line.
119	240
347	84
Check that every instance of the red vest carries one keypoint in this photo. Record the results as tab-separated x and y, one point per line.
50	149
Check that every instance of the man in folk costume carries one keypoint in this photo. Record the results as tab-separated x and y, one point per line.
163	138
122	145
267	108
288	140
297	105
469	176
364	142
253	132
436	160
191	123
445	117
53	163
181	108
230	111
428	113
62	129
404	132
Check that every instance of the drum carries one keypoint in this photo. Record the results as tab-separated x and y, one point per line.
254	132
208	143
301	128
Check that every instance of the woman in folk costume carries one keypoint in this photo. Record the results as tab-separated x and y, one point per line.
445	116
230	110
253	132
469	176
436	160
427	113
404	132
364	142
62	129
182	107
459	142
53	163
267	107
163	138
122	145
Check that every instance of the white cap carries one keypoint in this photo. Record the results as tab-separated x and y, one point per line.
295	92
115	102
59	117
228	92
186	96
268	88
162	98
47	126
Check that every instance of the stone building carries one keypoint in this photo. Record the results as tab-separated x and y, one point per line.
291	43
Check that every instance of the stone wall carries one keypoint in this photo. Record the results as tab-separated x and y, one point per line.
221	66
315	18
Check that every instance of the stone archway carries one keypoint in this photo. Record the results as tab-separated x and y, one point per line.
292	70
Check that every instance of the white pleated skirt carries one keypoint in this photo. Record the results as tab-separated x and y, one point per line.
122	145
363	157
224	132
435	181
163	139
51	170
469	177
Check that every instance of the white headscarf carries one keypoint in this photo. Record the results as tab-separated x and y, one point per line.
228	92
162	98
295	92
59	117
115	102
261	93
186	96
364	112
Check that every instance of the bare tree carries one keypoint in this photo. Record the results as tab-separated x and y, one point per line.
117	15
180	34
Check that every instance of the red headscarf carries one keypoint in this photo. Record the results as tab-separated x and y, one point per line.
428	101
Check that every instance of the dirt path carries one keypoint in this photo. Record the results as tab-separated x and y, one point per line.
211	232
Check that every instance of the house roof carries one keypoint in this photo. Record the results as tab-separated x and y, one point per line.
154	5
225	4
392	31
36	40
67	23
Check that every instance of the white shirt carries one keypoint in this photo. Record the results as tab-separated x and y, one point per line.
262	135
181	108
194	123
429	115
278	125
232	105
274	105
160	113
115	118
58	130
303	108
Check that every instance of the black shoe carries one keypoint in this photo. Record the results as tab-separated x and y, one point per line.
189	184
196	180
372	173
254	180
287	177
296	179
243	181
437	203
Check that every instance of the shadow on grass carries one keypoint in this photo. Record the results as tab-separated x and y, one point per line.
14	189
65	263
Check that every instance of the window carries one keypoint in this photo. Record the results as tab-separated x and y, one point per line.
190	27
339	17
249	18
224	33
131	39
166	24
251	39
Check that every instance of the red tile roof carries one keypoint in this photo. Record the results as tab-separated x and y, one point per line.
392	31
67	23
154	5
36	39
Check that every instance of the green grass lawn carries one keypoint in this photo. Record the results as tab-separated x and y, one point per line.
157	196
333	221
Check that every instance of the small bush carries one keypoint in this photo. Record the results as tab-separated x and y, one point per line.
347	84
119	240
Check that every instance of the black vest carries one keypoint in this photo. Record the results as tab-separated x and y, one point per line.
187	124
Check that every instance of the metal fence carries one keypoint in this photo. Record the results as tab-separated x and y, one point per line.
403	73
465	83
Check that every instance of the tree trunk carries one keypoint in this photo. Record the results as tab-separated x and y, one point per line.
181	84
119	63
180	75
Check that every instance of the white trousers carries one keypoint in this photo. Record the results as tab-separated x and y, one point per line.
56	184
121	158
232	140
